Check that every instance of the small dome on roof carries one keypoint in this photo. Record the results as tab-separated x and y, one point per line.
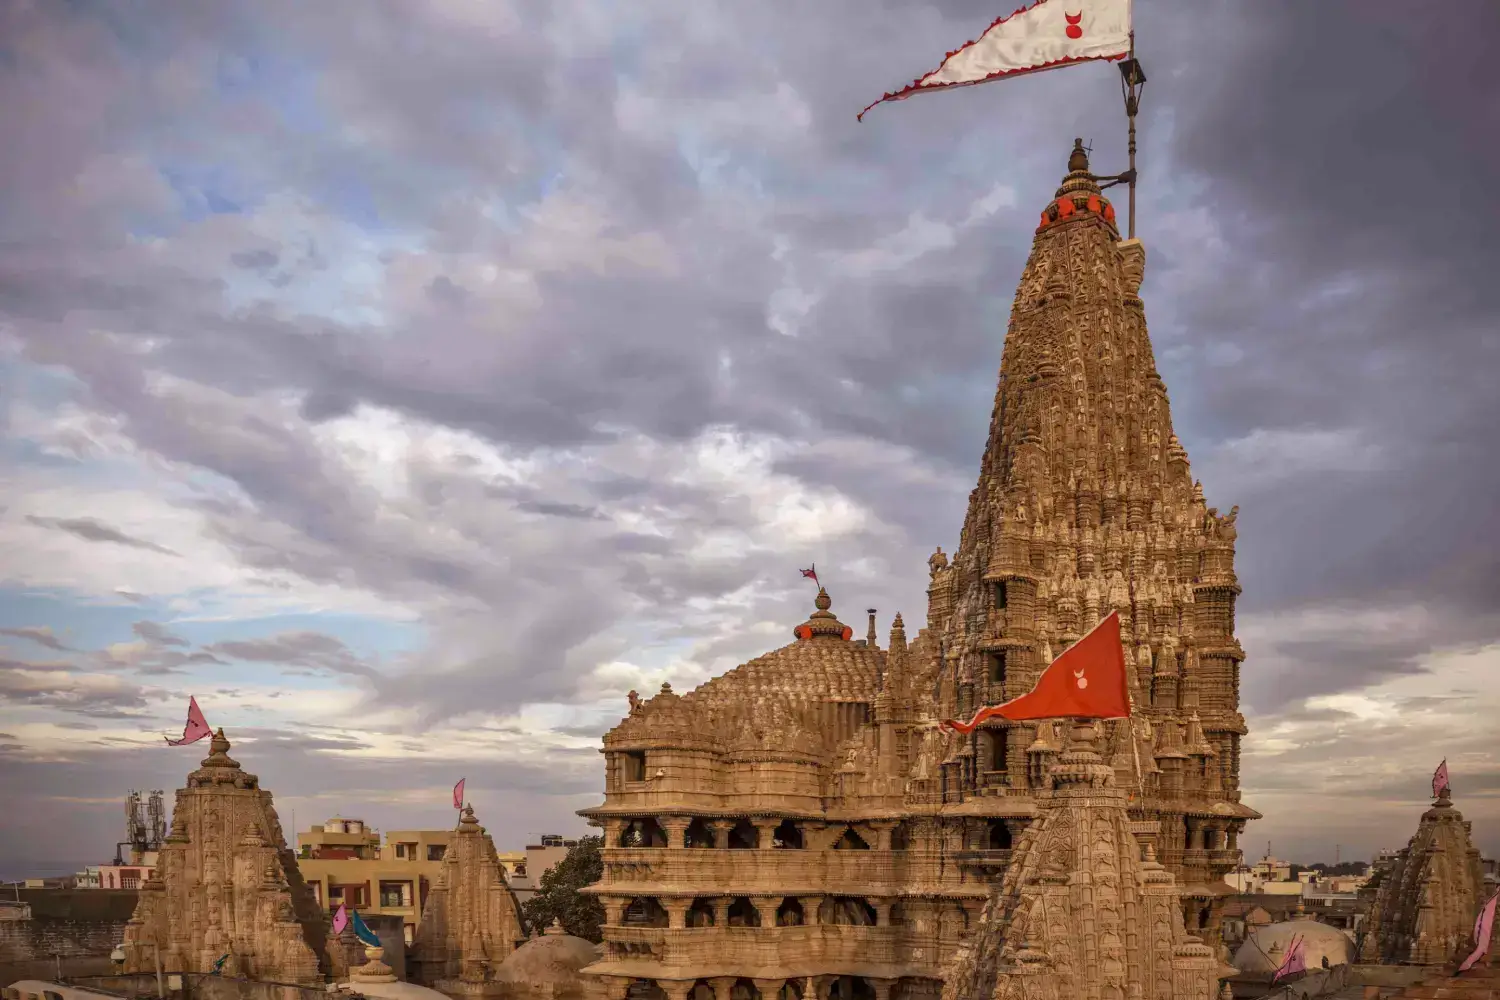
1264	949
555	958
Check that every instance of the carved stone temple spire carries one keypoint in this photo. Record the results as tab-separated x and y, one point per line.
1039	937
226	884
1085	505
1425	901
470	922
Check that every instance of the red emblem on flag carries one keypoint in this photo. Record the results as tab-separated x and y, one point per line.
1074	31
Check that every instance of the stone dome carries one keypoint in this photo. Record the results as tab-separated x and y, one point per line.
1264	949
553	959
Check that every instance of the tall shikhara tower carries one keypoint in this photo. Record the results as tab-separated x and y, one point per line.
802	827
1086	505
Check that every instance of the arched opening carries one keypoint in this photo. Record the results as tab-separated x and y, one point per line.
850	841
644	989
999	838
700	914
846	911
787	836
644	911
901	837
898	914
699	834
1204	915
702	990
643	833
791	991
742	913
851	988
789	913
743	836
744	989
1210	839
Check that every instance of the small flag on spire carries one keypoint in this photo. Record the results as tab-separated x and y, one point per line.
1041	35
812	574
362	930
458	793
340	920
1484	927
1440	779
196	728
1088	681
1294	962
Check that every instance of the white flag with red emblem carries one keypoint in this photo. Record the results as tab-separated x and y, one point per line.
1044	34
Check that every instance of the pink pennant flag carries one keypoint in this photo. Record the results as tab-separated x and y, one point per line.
340	920
196	728
1295	961
458	793
1440	779
1484	926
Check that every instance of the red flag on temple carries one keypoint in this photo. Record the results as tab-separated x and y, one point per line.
1440	778
1088	681
812	574
340	919
1484	927
458	793
196	728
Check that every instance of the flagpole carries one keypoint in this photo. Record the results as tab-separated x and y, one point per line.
1132	82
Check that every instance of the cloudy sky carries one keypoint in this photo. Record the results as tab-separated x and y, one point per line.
410	380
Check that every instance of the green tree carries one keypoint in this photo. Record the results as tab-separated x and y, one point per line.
558	898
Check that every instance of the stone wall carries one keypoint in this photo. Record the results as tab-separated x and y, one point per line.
72	930
197	986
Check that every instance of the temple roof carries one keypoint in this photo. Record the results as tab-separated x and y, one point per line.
780	692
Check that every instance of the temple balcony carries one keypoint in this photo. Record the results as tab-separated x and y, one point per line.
713	871
989	864
777	952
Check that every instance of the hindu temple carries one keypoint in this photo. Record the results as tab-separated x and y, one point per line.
802	826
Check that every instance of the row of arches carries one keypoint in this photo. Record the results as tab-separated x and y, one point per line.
835	988
786	834
851	911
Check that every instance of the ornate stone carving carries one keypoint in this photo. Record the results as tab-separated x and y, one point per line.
1085	504
227	886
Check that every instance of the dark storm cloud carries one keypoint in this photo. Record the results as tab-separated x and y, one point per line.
1317	181
92	530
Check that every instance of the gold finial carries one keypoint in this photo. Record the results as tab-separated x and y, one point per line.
823	602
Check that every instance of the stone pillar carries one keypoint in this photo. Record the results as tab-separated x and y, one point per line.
612	831
882	910
766	907
721	828
614	909
883	829
770	989
810	906
722	986
676	910
883	988
677	989
675	828
615	987
721	911
765	827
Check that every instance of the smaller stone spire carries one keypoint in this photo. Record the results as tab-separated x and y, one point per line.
555	929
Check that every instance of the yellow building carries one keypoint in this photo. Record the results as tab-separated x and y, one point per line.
344	862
